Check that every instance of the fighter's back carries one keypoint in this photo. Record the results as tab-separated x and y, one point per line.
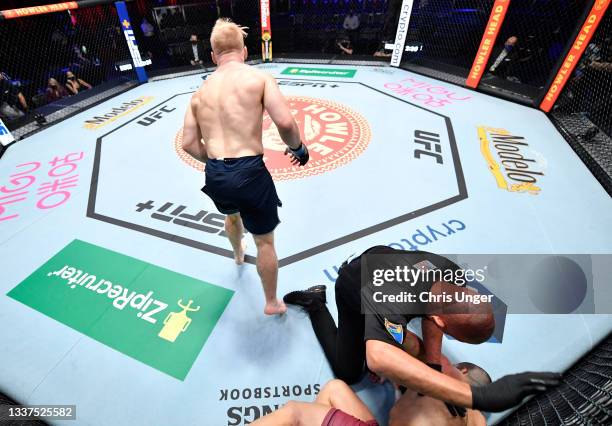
229	108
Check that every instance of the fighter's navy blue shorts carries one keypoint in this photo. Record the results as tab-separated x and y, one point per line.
244	185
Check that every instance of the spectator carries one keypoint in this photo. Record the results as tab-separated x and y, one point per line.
148	40
345	45
163	19
381	52
504	58
147	29
55	91
175	19
391	19
116	37
78	59
196	54
58	39
351	26
12	102
75	84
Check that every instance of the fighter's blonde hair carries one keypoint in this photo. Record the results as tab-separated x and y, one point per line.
227	36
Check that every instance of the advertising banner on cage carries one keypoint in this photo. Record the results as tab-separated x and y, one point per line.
266	30
38	10
575	53
128	32
401	33
5	135
496	19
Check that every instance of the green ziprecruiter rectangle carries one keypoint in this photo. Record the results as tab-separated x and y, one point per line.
154	315
320	72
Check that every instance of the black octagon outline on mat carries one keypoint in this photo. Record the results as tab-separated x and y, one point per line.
462	195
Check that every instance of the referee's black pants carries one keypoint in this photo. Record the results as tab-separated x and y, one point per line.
343	345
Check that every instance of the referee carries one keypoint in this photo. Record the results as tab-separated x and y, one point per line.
373	333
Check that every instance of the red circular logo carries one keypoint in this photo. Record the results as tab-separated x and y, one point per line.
334	134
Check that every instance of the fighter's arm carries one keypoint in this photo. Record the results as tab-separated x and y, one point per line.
415	347
274	102
475	418
395	364
432	341
192	136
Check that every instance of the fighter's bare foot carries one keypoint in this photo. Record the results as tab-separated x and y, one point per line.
239	257
275	308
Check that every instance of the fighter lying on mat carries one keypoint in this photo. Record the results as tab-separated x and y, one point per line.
335	405
223	128
414	409
338	405
377	339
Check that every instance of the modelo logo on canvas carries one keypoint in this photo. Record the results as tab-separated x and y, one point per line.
334	134
514	165
152	314
117	112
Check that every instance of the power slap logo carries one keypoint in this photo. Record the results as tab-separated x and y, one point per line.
154	315
334	133
515	166
117	112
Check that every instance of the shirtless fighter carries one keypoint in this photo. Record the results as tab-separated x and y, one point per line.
223	128
414	409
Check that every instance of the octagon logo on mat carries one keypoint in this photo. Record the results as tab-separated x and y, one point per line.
334	134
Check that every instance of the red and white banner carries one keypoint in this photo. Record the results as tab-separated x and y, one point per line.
496	19
38	10
266	30
571	60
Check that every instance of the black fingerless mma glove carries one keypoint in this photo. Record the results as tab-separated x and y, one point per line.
301	154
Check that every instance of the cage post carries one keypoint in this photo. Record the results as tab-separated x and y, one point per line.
126	27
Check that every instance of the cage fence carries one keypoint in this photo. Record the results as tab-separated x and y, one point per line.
442	40
329	27
583	398
165	32
52	62
444	36
532	42
583	111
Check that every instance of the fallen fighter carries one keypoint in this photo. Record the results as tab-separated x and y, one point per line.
335	405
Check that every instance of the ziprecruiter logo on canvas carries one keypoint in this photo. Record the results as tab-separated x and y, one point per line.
154	315
144	306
